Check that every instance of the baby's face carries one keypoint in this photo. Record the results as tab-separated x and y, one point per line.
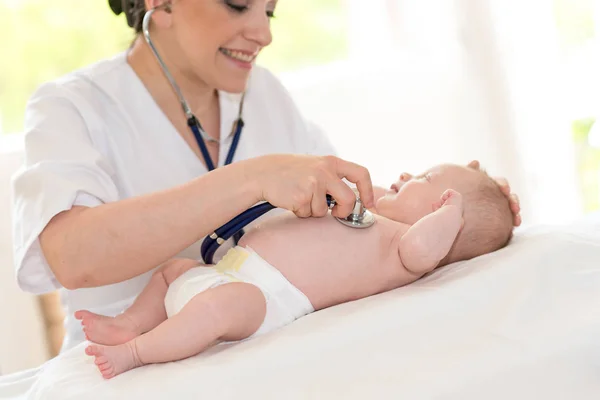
411	198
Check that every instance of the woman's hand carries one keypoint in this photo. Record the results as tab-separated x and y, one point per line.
513	199
300	183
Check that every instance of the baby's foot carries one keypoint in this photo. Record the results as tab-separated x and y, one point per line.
107	330
449	198
114	360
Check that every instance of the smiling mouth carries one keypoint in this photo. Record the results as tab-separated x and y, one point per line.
239	55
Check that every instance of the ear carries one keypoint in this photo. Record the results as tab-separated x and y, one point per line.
473	164
150	4
162	16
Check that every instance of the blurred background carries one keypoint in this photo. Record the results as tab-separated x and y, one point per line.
398	85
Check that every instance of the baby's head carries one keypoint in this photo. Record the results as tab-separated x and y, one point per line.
487	215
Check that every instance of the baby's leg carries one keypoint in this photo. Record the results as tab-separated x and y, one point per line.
430	239
232	311
145	313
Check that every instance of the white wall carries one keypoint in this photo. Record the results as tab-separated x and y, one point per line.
22	343
434	81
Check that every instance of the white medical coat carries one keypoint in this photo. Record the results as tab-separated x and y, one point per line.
96	136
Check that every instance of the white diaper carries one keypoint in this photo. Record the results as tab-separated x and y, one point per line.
285	302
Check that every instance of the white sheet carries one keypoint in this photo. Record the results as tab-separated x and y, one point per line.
522	323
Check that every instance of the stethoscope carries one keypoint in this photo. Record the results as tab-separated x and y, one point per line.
359	218
199	133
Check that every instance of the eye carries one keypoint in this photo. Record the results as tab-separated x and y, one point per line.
239	8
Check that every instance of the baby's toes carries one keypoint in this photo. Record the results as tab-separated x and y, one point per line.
101	360
108	373
87	323
102	364
93	350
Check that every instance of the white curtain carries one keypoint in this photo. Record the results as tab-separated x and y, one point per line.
433	81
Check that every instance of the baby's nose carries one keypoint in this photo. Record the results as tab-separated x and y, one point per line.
405	176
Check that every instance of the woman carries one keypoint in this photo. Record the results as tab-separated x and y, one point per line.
115	182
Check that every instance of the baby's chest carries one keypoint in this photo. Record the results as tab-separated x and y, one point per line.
325	239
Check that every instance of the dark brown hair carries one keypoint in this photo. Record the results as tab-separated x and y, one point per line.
134	11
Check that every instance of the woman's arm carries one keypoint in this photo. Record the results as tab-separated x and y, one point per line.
89	247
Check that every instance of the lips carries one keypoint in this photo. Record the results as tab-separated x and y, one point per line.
239	55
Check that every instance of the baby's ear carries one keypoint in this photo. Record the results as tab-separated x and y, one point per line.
473	164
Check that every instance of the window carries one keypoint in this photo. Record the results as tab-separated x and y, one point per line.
578	25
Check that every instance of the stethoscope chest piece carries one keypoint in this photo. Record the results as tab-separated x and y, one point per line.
364	220
359	218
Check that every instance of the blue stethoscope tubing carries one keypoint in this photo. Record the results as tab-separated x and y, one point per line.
211	243
199	134
233	228
239	126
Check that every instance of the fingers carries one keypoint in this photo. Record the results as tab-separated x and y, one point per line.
358	175
303	211
515	205
517	220
344	198
318	203
504	186
513	200
300	184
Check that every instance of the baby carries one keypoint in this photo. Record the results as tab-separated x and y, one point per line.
287	267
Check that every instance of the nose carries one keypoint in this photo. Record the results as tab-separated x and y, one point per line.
258	29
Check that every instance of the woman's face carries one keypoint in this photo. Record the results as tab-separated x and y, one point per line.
217	41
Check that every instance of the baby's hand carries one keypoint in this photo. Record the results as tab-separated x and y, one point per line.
449	198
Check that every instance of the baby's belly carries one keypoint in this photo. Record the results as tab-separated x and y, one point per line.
329	262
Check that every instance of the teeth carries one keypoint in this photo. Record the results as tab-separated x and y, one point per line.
238	55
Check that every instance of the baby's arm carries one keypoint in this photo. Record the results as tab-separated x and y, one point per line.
430	239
